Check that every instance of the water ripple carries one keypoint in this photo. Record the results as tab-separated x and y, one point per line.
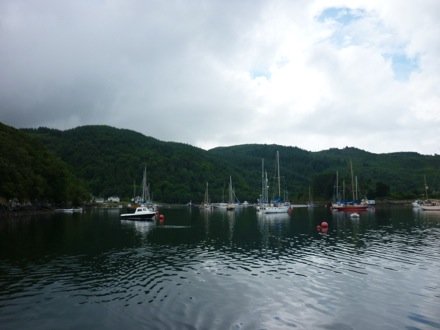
232	273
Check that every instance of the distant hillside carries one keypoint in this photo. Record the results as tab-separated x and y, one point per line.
111	160
29	172
394	175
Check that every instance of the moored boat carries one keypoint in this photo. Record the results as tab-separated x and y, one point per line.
430	206
231	203
277	205
419	203
355	204
350	207
72	210
206	203
141	213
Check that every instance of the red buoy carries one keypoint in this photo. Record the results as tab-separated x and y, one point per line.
318	227
161	217
324	225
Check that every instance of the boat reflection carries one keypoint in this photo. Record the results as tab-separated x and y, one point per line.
429	218
140	226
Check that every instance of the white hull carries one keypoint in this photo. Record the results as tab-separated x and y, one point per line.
430	207
275	209
141	213
220	206
417	203
74	210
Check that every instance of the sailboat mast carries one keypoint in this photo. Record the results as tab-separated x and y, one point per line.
352	181
262	180
337	187
278	169
266	189
206	194
357	196
343	190
336	191
231	198
426	188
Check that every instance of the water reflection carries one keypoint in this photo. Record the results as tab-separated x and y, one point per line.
231	224
140	226
222	270
428	218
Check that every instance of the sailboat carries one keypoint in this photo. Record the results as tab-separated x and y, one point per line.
262	201
206	204
222	205
145	189
276	205
418	203
310	203
144	209
143	200
231	200
354	205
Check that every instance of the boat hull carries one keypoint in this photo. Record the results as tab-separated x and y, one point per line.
138	217
275	209
350	207
431	208
141	214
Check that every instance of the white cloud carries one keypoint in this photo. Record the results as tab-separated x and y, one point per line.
314	74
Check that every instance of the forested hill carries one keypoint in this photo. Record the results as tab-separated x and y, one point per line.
398	175
111	161
29	172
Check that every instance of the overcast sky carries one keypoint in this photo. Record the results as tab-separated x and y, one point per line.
315	74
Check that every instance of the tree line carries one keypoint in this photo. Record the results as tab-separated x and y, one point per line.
49	165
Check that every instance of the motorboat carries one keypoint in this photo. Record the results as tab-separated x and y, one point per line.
418	203
141	213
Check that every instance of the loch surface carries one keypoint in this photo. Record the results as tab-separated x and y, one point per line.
202	269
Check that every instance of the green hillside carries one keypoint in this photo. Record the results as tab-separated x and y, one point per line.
111	160
29	172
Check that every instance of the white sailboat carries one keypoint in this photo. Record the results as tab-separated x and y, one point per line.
310	203
354	205
231	199
222	205
418	203
262	202
144	199
206	204
277	205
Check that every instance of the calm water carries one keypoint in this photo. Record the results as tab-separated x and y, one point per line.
221	270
